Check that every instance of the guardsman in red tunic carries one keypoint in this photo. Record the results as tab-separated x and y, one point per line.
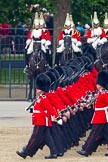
99	132
42	115
96	36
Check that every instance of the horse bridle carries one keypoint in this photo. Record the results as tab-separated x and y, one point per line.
37	62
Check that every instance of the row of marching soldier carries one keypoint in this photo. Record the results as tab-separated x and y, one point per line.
63	110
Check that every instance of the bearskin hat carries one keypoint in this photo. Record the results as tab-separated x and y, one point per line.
69	70
89	63
87	49
61	71
53	78
55	72
43	82
80	61
63	75
57	75
102	79
74	67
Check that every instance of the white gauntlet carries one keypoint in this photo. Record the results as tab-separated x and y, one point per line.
74	40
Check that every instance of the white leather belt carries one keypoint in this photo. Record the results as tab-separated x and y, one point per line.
37	111
105	109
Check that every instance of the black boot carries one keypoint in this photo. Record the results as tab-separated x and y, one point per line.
82	152
26	69
27	58
54	156
21	154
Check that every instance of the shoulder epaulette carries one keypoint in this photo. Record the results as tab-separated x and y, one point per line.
75	32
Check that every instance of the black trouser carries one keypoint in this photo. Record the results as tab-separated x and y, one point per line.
40	134
98	133
57	138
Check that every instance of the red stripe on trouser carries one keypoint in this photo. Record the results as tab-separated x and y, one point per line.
90	139
33	140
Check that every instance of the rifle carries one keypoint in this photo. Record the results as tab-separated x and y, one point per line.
29	107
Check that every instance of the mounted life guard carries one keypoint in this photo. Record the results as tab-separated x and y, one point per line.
69	29
46	44
105	25
96	35
35	34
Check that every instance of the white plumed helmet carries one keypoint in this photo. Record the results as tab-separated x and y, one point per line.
95	18
36	19
71	20
106	19
67	21
41	20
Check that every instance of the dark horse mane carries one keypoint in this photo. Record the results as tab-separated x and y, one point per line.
102	57
37	65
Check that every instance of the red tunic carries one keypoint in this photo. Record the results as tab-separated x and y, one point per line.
55	101
101	109
47	35
43	111
75	34
90	33
29	34
61	93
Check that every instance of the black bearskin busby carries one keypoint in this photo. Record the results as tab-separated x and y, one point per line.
102	79
43	82
52	76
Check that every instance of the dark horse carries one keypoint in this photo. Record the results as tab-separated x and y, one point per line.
68	52
37	65
102	57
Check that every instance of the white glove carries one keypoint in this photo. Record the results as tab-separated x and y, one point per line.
60	49
30	110
30	49
48	43
95	43
103	40
43	48
74	40
61	42
60	121
75	48
27	43
91	40
78	43
43	41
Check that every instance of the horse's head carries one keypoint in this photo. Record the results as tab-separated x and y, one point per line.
36	48
67	42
